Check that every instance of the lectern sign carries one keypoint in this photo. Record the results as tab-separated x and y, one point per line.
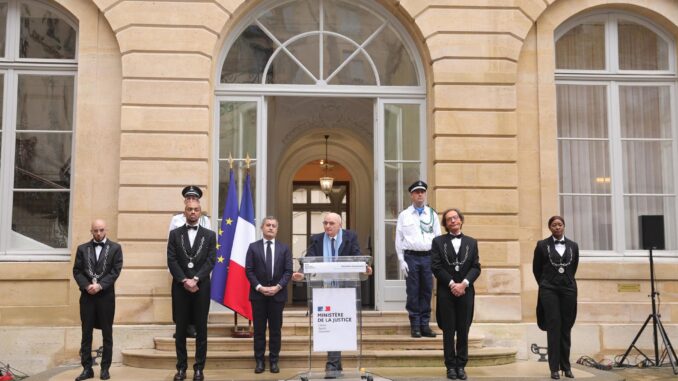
334	319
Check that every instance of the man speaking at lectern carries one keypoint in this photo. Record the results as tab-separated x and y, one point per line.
334	242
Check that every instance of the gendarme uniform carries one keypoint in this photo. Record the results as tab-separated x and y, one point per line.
179	220
415	231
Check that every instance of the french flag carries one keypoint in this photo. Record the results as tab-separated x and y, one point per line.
236	294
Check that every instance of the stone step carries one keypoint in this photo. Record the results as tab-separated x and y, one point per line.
156	359
300	343
374	327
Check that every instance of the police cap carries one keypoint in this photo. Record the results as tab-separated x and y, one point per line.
191	190
418	185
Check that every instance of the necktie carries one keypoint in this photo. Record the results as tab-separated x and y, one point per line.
269	260
192	227
457	236
561	242
419	210
333	252
101	244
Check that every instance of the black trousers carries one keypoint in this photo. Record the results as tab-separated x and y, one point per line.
97	311
457	319
267	312
559	313
187	306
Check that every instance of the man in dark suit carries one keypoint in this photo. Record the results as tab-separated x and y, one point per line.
268	266
98	264
191	254
335	241
456	266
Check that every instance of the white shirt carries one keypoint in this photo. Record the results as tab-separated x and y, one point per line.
98	249
179	220
191	235
560	247
409	235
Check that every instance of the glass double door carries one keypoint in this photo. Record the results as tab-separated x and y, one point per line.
399	153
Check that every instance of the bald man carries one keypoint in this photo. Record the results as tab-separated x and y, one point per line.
335	241
97	265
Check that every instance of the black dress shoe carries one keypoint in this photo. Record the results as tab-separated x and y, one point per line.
274	367
427	332
104	375
259	368
180	375
555	375
452	374
415	333
568	373
461	374
198	375
86	373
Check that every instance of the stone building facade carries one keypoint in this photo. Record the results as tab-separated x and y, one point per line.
501	90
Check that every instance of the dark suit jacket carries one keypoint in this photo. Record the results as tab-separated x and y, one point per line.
349	245
111	265
108	268
255	268
203	251
547	275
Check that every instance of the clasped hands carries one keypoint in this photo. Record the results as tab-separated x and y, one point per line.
94	288
191	285
458	289
269	291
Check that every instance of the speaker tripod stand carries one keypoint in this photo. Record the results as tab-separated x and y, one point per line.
657	327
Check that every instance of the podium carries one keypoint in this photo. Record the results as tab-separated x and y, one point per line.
334	314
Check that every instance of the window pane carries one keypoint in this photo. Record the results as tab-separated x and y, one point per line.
636	206
299	196
291	19
299	220
317	222
350	20
648	167
356	72
582	47
41	217
306	51
392	264
641	48
584	166
589	221
284	70
299	245
45	103
44	34
401	132
42	161
645	111
247	57
3	28
399	176
318	197
239	174
393	61
582	111
238	129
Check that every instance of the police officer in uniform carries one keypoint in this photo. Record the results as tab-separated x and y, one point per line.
190	192
417	226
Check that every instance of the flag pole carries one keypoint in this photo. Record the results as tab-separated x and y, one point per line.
242	332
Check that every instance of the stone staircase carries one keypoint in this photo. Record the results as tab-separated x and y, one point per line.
386	342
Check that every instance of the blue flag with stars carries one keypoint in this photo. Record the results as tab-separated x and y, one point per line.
225	242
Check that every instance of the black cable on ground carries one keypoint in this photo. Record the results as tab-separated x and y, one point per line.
590	362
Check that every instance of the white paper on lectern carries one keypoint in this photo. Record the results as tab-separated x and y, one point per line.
334	267
334	319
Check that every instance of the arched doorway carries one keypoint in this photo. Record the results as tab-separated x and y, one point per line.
322	64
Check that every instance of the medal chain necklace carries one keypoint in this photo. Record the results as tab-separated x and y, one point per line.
197	253
96	277
560	266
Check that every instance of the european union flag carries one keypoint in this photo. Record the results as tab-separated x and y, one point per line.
226	232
